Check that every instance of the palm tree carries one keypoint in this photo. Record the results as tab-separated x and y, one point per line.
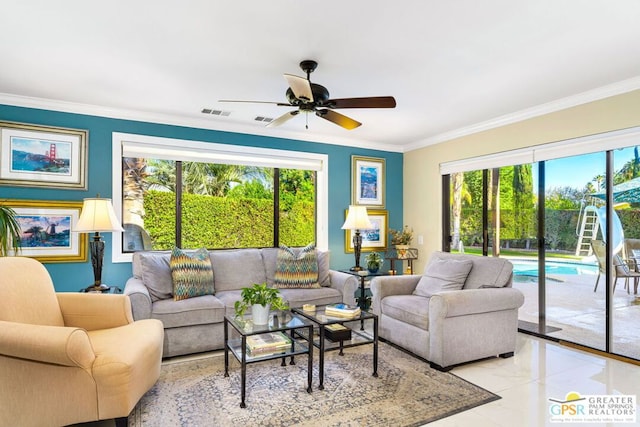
459	193
9	231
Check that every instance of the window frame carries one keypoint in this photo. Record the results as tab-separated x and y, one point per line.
129	145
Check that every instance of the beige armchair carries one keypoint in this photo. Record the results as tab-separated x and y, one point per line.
68	357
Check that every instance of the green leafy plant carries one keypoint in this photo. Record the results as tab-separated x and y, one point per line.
374	260
261	294
401	237
9	231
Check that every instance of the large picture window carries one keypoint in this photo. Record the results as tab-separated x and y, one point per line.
195	194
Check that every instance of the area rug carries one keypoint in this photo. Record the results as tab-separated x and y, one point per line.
407	392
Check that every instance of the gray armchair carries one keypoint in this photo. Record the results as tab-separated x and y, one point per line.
462	309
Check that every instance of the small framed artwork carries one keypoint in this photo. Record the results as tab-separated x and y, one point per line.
46	230
375	239
42	156
367	181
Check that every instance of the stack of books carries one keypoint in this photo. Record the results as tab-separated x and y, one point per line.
342	311
268	344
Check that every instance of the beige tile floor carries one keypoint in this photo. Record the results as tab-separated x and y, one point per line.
540	370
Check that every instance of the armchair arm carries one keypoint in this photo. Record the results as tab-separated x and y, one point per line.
58	345
345	283
95	311
140	298
472	301
383	286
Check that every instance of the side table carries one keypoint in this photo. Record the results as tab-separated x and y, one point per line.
104	289
392	256
363	275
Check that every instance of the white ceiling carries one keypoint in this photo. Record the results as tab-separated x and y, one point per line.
453	66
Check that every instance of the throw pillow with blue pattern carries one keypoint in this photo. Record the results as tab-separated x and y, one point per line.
192	275
296	270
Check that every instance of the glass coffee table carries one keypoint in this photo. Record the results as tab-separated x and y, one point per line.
323	343
294	325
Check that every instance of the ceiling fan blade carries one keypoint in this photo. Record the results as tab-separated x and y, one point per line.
284	104
366	102
300	86
337	118
283	118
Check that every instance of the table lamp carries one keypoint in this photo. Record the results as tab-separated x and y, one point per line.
357	219
97	216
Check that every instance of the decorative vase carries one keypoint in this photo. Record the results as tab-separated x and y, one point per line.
373	268
260	314
402	250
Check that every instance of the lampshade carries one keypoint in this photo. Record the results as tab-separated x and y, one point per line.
97	215
357	219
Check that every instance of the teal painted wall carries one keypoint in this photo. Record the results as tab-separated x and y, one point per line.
74	276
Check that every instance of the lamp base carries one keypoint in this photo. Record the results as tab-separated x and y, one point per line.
356	268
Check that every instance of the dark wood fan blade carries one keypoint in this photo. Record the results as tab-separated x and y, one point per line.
366	102
337	118
283	118
282	104
300	86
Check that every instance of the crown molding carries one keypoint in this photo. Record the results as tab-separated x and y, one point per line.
603	92
176	120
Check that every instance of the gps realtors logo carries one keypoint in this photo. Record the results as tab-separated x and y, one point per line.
593	409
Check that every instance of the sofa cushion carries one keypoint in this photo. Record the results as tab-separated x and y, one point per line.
193	311
443	275
410	309
237	268
296	298
296	269
192	275
153	269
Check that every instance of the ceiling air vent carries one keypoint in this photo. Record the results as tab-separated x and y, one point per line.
215	112
263	119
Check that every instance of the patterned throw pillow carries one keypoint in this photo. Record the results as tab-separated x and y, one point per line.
192	275
296	270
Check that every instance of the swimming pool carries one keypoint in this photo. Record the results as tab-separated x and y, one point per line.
530	268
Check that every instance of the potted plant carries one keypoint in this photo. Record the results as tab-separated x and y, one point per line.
261	299
401	239
9	231
374	262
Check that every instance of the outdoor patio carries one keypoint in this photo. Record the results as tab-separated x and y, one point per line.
578	312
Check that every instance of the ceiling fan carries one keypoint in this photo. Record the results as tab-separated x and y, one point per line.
314	98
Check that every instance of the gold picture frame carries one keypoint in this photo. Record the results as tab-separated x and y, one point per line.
43	156
46	230
374	240
368	181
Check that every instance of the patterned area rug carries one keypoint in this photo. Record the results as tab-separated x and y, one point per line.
407	392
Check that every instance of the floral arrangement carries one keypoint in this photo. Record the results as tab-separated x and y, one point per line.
401	237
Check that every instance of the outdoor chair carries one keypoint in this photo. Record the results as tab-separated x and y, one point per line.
621	268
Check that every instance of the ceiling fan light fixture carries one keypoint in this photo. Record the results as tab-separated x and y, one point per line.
312	97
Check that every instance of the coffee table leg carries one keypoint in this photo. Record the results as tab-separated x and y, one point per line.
226	348
292	360
375	346
243	376
310	362
321	356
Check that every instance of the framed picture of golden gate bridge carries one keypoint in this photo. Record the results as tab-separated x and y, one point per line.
43	156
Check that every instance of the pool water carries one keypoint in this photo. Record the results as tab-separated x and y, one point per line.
530	268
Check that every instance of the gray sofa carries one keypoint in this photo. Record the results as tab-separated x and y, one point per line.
450	327
196	324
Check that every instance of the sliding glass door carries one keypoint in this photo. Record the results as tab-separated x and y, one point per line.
570	225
